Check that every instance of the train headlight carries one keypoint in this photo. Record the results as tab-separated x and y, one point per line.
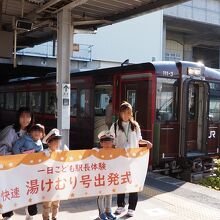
194	71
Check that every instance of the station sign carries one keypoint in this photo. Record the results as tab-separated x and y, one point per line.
76	47
66	90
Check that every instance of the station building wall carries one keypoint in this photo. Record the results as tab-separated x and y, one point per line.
207	11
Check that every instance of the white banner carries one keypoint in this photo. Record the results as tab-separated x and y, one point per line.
32	178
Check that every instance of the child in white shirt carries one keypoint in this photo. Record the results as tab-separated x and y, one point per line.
127	134
53	141
105	202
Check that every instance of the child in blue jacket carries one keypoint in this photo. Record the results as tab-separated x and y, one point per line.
31	142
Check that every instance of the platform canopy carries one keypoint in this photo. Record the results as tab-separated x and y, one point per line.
86	14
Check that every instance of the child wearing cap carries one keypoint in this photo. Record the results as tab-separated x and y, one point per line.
105	202
31	142
53	141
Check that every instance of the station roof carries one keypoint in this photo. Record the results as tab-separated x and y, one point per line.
86	14
9	72
197	34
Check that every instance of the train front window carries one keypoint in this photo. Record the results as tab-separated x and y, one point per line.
21	100
214	105
192	104
102	97
131	97
84	103
10	101
35	101
166	101
50	102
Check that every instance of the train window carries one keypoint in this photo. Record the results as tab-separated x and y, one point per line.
214	105
10	101
20	99
192	105
102	96
73	107
50	102
2	101
35	101
166	101
84	103
131	97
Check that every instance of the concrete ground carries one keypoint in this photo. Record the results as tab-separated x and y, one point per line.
153	204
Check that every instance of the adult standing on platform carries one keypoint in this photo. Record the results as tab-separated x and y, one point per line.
127	134
11	133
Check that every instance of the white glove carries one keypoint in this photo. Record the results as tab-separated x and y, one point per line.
47	153
96	149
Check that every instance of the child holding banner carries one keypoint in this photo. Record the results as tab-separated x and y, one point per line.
127	134
52	139
105	202
30	143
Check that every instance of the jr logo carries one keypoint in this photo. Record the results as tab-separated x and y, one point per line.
212	134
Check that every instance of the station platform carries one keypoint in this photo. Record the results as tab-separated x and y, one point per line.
163	198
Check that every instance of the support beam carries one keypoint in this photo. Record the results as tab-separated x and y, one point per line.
188	52
72	5
47	5
64	49
164	41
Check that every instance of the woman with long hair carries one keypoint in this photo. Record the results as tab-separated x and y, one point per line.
10	134
127	134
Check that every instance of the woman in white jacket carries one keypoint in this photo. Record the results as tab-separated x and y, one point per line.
10	134
127	134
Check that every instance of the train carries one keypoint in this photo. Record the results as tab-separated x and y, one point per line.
177	105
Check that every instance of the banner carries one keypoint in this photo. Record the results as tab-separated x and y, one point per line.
27	179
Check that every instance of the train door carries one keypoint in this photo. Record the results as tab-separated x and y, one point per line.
195	117
214	118
136	89
81	113
166	127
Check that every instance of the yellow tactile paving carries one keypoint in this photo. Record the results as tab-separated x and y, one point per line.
185	207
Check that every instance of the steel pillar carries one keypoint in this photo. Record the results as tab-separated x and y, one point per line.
188	52
64	50
164	41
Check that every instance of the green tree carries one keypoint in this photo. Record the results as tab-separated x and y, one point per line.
213	181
